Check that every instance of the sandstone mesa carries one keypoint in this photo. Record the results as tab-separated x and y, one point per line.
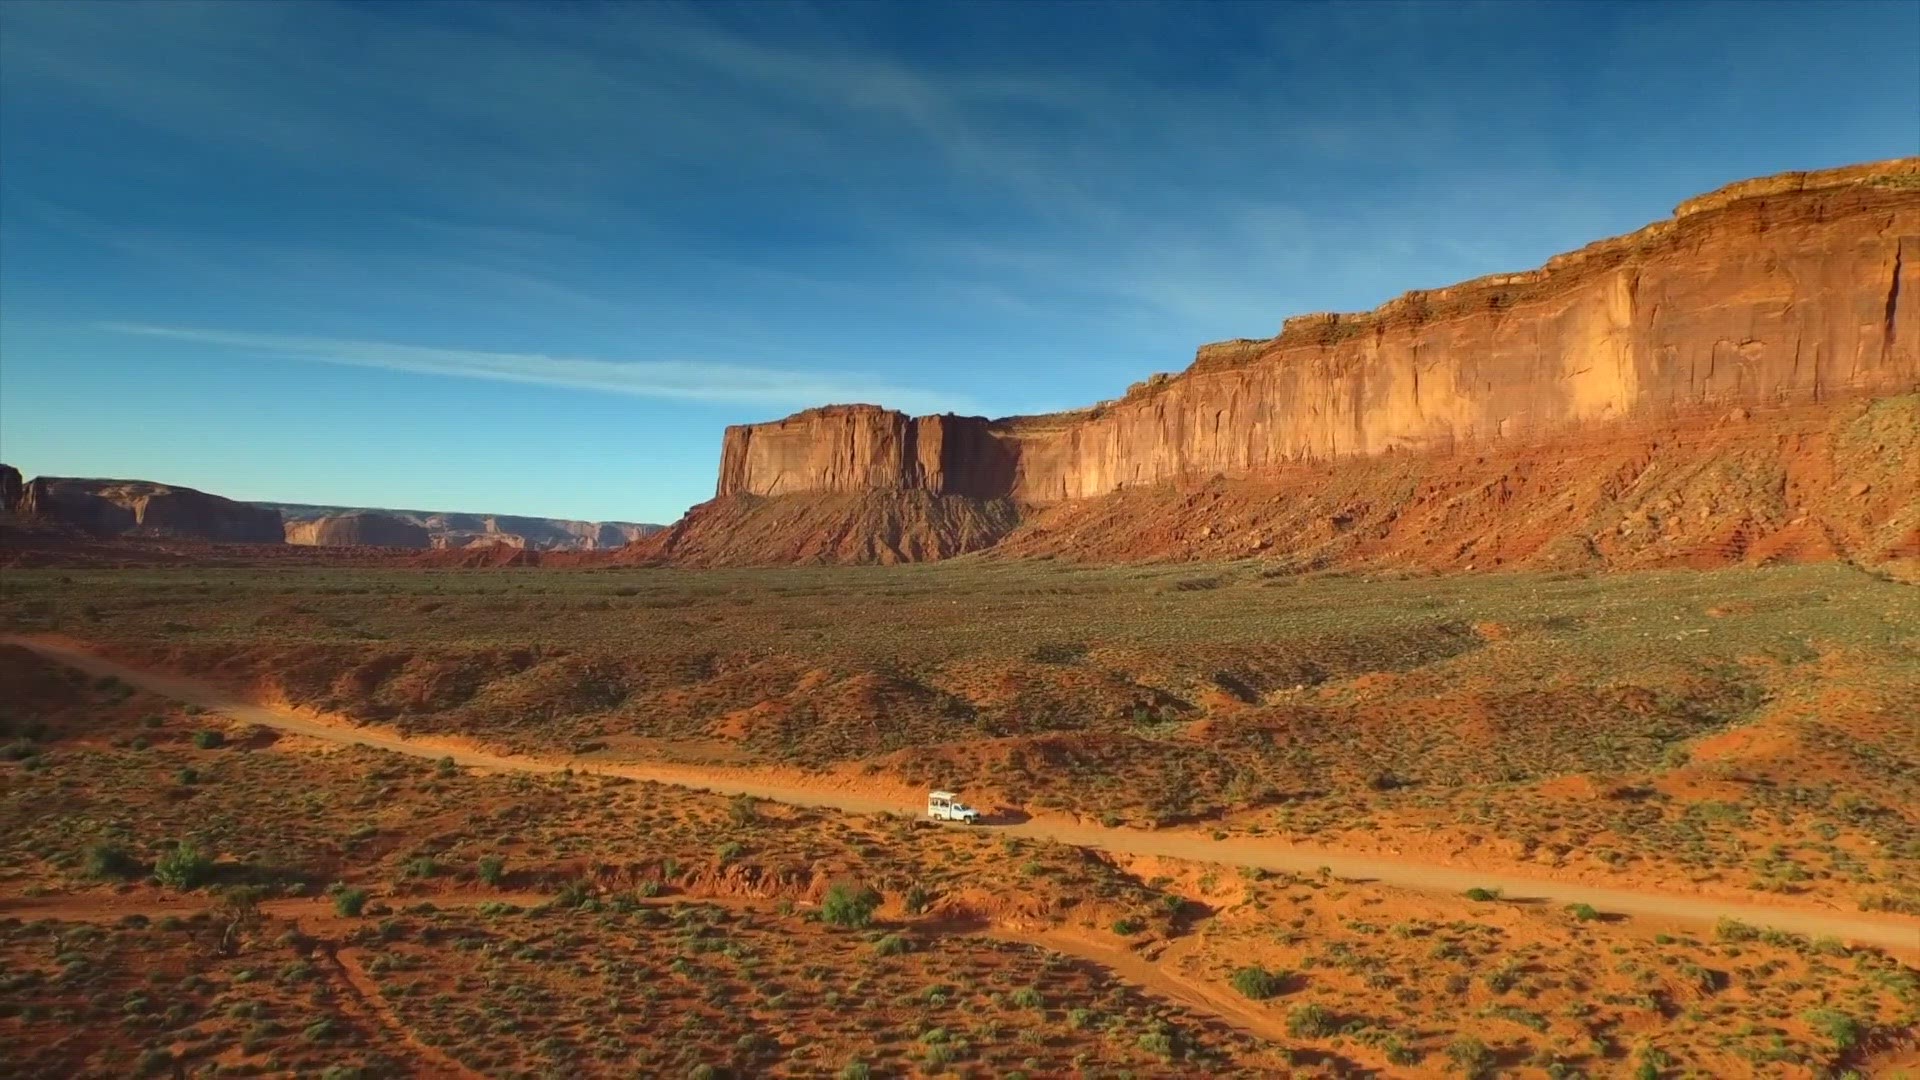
1787	294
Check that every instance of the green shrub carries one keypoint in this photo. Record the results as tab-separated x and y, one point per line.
350	902
1843	1031
1309	1022
854	1070
1582	912
1399	1053
1128	926
185	867
1028	997
849	906
1471	1057
1483	895
209	739
493	870
111	861
320	1031
892	945
1258	983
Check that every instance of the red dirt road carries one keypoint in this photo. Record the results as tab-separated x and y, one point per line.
1895	933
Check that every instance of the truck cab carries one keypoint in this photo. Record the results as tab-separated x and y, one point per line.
946	806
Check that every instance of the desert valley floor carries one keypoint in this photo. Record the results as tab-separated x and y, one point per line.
327	818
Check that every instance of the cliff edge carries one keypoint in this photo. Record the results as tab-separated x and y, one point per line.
1799	288
1785	302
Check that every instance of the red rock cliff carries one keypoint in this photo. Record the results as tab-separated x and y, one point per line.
1803	287
133	507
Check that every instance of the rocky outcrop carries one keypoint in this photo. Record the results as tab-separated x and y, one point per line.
456	530
141	507
884	527
1802	288
10	487
1789	295
1807	483
359	528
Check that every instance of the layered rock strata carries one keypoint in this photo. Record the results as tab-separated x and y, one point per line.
1787	290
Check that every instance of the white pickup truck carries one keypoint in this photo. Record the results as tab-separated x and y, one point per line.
946	806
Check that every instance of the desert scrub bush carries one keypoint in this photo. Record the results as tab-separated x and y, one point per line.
1838	1028
849	906
350	902
111	861
1471	1057
209	739
1583	912
1309	1022
492	870
1258	983
1502	979
892	945
1129	926
1028	997
185	867
1482	895
1733	930
1399	1053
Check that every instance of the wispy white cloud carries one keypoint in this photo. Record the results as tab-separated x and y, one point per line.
672	380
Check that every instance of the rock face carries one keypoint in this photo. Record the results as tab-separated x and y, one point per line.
1806	483
360	528
136	507
1788	290
454	530
882	527
10	487
1776	294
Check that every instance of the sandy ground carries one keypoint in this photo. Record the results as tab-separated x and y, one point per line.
317	914
1896	933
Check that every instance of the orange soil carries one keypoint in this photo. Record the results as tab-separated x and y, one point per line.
863	795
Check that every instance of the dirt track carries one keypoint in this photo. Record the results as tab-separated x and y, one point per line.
1890	932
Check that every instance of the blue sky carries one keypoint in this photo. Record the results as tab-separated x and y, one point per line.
532	259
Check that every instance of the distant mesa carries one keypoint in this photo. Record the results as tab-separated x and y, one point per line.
342	526
115	508
56	506
359	528
10	487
